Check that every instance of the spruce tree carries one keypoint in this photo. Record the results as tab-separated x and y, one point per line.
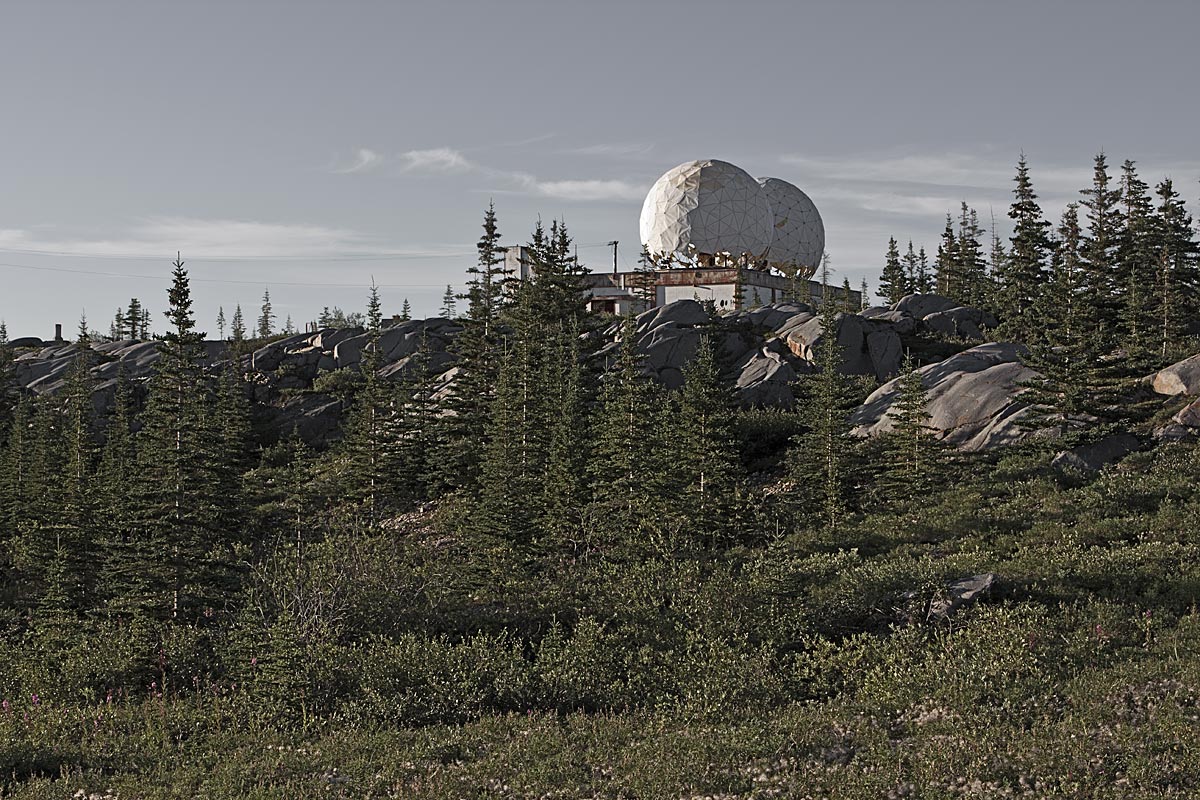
911	448
1101	285
974	285
405	311
411	428
846	302
1021	276
513	468
893	283
17	487
449	308
221	322
820	460
118	330
708	470
232	443
461	430
627	472
79	534
925	279
645	280
1073	387
181	564
133	319
266	317
8	388
1173	232
912	278
365	445
1138	262
565	488
116	475
237	330
949	278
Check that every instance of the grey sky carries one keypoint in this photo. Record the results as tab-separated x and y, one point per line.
261	139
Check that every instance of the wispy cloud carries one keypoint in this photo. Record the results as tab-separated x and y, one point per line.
590	190
438	159
201	238
450	160
987	172
364	160
614	150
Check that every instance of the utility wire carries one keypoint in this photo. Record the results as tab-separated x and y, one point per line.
382	256
194	279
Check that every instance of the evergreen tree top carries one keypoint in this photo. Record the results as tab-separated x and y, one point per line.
182	332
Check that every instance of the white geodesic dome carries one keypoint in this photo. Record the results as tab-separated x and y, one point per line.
706	207
799	236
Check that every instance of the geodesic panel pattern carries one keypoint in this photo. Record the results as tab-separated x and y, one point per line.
799	239
706	207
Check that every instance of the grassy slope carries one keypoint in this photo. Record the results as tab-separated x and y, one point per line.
1079	676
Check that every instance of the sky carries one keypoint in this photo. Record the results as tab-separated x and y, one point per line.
310	148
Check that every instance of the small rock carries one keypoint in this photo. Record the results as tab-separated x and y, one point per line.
959	593
1180	378
1091	458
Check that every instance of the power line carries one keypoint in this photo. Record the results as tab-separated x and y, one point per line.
382	256
194	279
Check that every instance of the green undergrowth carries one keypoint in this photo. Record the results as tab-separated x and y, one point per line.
804	667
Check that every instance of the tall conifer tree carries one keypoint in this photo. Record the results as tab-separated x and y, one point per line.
893	283
1020	278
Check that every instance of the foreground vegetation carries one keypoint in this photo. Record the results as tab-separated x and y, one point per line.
555	578
805	668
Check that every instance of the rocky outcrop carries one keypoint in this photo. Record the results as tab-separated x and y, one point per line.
961	322
919	306
1189	416
973	398
45	371
869	347
901	322
765	376
315	418
932	313
1089	459
760	365
1180	378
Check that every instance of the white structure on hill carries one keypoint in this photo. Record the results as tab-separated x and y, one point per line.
714	233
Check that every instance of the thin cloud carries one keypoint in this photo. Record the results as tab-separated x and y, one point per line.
449	160
364	160
614	150
967	171
438	159
201	238
590	190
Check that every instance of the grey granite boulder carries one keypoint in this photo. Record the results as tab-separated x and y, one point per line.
1189	416
919	306
1179	378
1091	458
973	398
959	594
681	312
868	347
961	321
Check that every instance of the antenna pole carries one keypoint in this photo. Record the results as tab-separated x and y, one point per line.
613	245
